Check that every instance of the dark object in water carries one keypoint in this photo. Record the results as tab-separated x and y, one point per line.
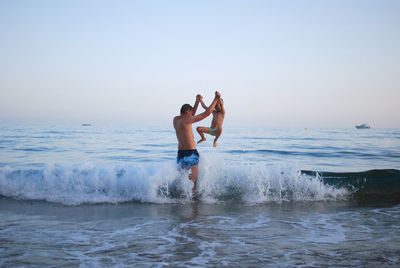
363	126
86	125
377	185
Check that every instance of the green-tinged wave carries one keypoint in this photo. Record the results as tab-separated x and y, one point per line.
372	185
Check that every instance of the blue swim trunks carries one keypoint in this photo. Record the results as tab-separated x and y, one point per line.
187	158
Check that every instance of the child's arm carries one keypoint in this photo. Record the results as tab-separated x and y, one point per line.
221	102
196	104
203	105
209	110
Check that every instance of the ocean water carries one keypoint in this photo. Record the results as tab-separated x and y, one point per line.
100	196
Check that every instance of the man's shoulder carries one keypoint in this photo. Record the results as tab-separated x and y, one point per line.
178	118
182	120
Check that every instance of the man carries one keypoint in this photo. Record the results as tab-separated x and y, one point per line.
216	124
188	157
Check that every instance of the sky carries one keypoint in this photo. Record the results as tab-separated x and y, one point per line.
276	63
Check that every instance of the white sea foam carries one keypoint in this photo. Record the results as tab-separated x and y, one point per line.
163	183
258	183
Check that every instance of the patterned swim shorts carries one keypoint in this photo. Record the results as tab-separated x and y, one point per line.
187	158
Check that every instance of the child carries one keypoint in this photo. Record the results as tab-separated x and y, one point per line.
216	124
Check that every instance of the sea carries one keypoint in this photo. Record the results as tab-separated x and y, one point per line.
112	196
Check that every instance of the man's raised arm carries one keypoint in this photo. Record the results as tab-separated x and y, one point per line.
209	110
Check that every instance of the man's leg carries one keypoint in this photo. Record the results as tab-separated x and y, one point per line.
201	131
193	176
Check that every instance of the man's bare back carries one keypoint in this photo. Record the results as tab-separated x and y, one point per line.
184	133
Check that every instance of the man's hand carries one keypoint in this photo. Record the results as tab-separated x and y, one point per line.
217	94
199	97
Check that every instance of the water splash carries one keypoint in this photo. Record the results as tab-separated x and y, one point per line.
219	180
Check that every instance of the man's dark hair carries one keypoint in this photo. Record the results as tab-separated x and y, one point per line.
186	107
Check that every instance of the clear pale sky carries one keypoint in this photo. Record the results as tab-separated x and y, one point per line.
276	63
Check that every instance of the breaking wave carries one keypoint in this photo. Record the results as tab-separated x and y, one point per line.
219	180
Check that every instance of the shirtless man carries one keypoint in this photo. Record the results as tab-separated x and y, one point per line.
188	157
216	124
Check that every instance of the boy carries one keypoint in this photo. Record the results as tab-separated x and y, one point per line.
216	124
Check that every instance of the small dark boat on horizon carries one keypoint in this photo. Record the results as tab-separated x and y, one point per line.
363	126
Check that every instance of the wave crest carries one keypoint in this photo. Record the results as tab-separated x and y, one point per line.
163	183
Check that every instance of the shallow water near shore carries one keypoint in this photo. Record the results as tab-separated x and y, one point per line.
320	234
91	196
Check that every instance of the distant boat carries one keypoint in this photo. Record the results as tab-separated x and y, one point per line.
363	126
86	125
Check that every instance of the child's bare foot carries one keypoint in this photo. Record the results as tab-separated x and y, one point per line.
215	143
203	139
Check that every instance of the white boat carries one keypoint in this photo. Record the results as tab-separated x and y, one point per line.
363	126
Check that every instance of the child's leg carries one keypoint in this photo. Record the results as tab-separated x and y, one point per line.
201	131
219	131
